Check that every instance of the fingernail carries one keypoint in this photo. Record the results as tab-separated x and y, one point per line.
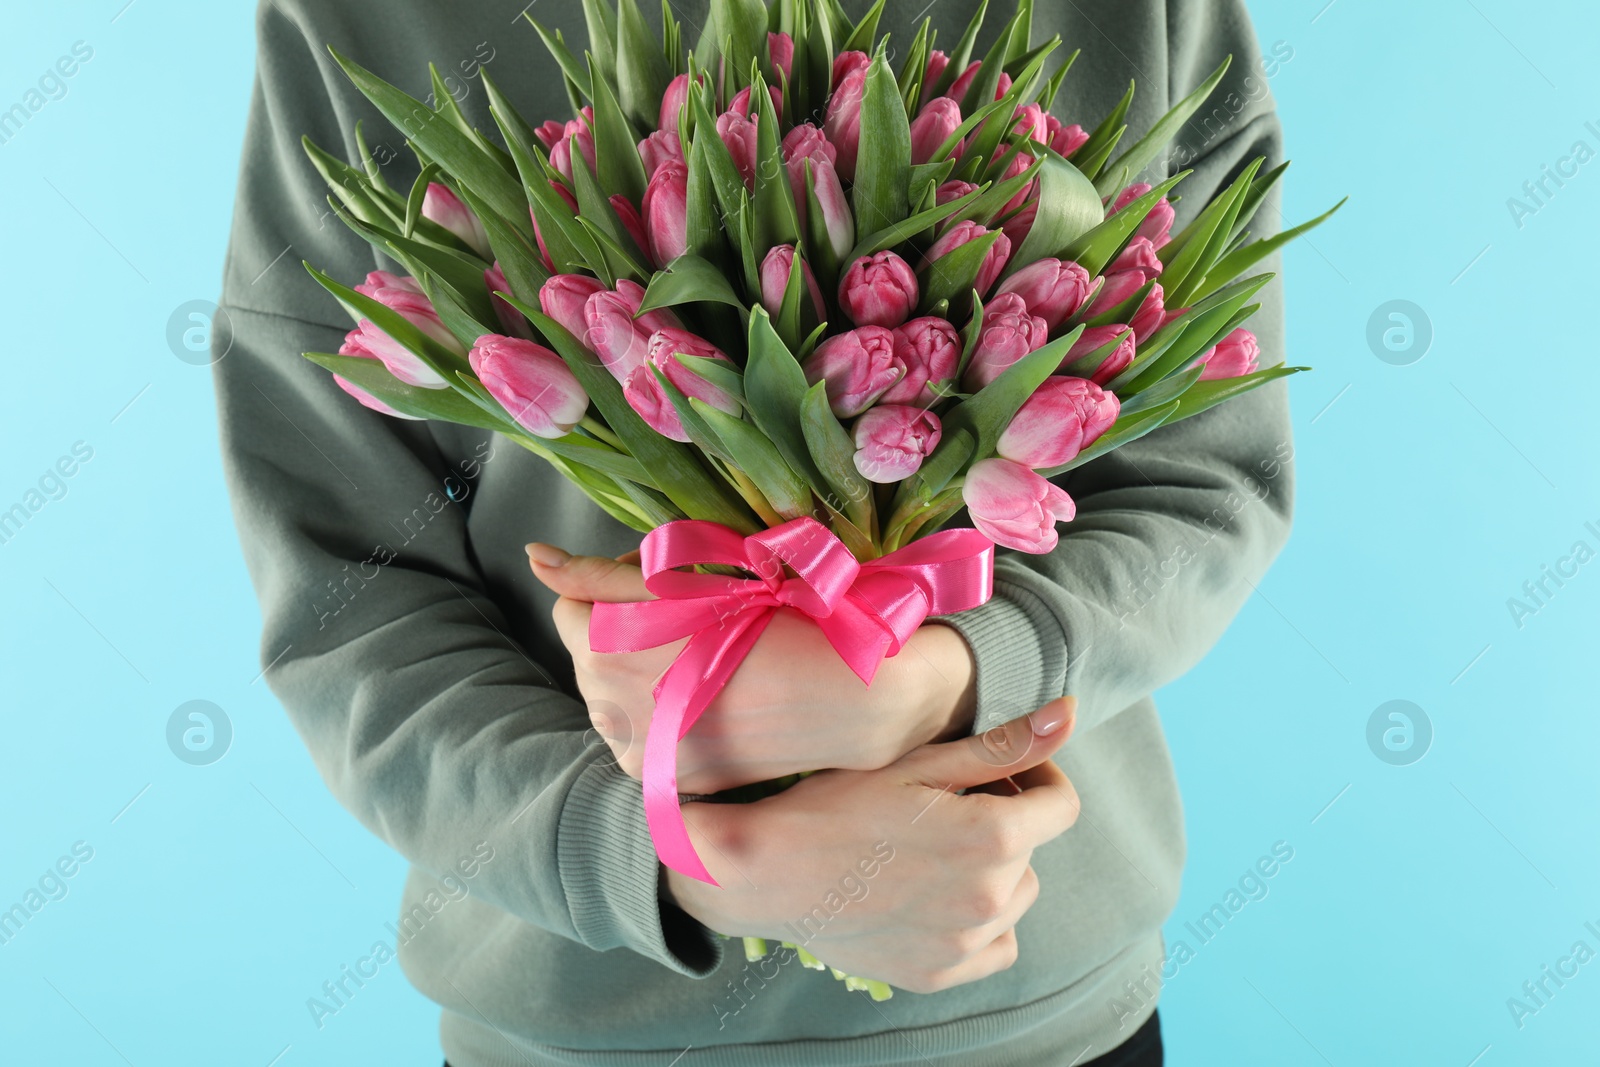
547	555
1048	719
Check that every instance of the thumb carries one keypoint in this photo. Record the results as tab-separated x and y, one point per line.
591	578
1000	752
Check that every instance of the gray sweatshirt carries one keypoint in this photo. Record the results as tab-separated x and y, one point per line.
416	656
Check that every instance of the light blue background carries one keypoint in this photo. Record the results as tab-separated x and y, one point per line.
1419	897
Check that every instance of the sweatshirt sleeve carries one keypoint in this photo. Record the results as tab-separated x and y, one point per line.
1173	531
427	722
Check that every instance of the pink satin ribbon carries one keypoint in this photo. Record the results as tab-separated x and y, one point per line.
866	611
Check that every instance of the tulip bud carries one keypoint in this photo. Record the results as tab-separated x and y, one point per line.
958	88
1063	139
835	207
612	334
367	400
929	349
804	142
1234	356
642	389
441	205
1137	266
1014	507
666	212
848	63
672	102
954	189
1157	225
1063	417
1053	289
1095	338
404	296
631	293
1008	334
740	104
892	440
959	234
1151	316
739	134
780	50
1030	124
842	123
549	132
858	367
659	147
937	62
511	320
1017	226
531	382
932	126
775	269
632	224
576	132
878	290
563	298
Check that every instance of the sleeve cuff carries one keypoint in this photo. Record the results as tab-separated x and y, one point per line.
612	877
1020	651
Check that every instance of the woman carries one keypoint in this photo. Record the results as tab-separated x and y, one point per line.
439	674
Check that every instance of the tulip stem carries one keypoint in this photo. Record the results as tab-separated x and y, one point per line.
601	431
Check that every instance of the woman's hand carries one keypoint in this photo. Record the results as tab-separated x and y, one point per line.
792	706
891	874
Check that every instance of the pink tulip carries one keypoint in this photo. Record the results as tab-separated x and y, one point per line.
878	290
632	224
1014	507
666	212
672	102
937	62
549	132
1095	338
631	293
563	298
780	50
642	389
837	219
775	270
404	296
1157	225
1234	356
804	142
1053	289
659	147
511	320
1131	271
842	123
858	367
959	234
1030	124
531	382
441	205
367	400
1015	169
929	349
892	440
958	88
571	202
579	131
954	189
1063	417
1063	139
848	63
613	335
932	126
1151	316
740	104
1008	334
739	134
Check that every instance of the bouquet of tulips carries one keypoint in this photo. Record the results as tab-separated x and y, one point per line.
787	310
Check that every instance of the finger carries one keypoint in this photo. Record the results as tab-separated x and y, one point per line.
994	957
1004	751
591	578
632	556
1047	807
572	623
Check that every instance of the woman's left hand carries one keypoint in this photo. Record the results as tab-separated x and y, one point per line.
793	705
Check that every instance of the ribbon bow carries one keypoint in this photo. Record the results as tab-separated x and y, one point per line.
867	612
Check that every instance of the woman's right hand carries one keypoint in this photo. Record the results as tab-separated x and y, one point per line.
891	874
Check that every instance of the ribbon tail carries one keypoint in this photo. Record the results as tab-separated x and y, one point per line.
686	690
